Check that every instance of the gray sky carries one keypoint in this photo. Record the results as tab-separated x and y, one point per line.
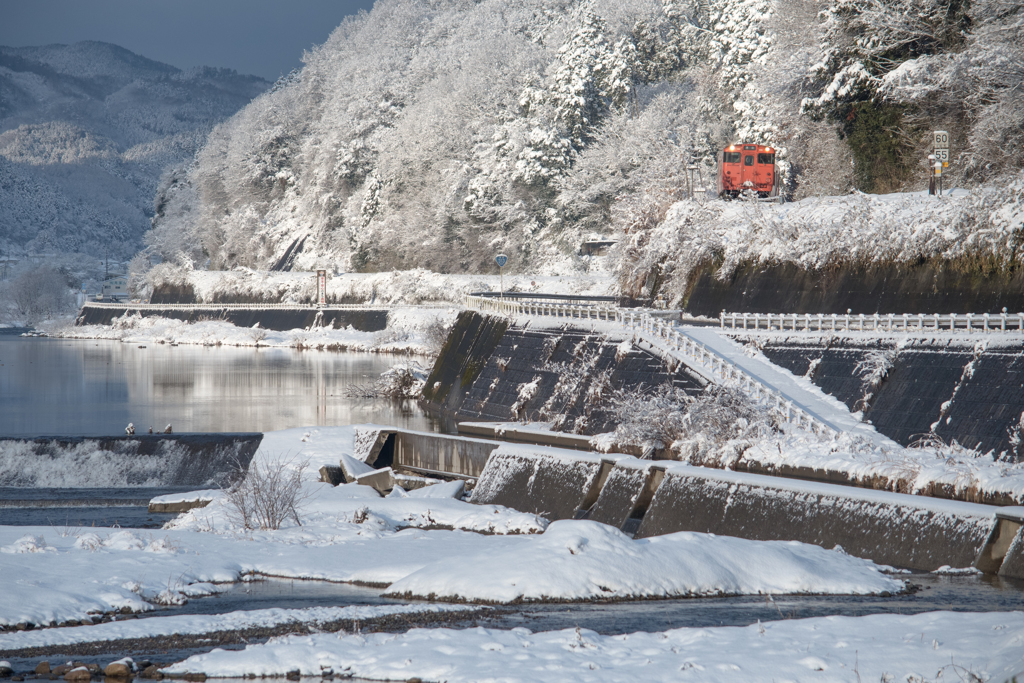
262	37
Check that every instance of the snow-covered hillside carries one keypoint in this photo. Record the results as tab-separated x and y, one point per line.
86	131
435	134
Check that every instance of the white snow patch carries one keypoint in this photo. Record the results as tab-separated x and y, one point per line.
931	646
587	560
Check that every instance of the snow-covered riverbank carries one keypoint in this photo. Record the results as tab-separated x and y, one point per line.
350	534
925	647
410	330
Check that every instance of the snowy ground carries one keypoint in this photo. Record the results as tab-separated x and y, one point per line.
351	534
937	646
197	624
409	331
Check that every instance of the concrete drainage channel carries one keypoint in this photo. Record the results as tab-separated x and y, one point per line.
648	498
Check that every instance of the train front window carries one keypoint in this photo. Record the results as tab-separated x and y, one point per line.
732	157
765	158
748	160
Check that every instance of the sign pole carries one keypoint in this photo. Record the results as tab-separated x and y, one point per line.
941	155
501	260
321	288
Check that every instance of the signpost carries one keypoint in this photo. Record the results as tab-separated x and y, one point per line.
940	156
321	288
501	260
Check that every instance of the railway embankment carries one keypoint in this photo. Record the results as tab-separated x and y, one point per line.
925	286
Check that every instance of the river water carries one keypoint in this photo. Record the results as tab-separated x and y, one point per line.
95	388
89	388
53	387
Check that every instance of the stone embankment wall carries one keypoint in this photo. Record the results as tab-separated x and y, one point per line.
933	286
973	392
364	320
491	370
645	498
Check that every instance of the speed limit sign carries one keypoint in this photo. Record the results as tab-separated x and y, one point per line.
942	155
941	140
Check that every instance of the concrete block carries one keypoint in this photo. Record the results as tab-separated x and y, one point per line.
537	482
382	480
1007	540
890	528
330	474
619	494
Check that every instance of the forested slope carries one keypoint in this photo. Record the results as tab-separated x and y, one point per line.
86	131
435	134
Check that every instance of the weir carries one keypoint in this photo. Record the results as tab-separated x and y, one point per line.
646	498
139	460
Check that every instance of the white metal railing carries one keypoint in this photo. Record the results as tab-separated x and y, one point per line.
829	322
528	307
251	307
665	336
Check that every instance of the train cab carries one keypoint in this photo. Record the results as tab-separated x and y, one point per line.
747	167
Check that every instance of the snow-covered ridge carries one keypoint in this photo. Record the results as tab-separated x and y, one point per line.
86	131
820	232
194	624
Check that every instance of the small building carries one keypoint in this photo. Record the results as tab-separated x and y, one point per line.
115	288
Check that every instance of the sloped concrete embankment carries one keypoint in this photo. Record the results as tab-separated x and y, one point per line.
969	391
648	499
279	319
492	370
927	287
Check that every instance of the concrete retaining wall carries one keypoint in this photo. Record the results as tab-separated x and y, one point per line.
482	369
433	453
364	320
890	528
929	286
542	481
985	403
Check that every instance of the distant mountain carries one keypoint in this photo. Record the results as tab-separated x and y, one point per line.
86	132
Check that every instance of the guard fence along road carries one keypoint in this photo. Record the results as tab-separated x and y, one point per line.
665	337
807	322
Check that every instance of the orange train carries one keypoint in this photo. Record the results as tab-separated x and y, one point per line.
747	167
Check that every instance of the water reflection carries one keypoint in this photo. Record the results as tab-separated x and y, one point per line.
93	388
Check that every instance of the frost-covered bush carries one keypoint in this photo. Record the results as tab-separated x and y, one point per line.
266	495
402	381
693	427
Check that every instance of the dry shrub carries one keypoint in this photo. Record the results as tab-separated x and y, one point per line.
267	494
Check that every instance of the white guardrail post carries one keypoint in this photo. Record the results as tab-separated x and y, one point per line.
968	322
